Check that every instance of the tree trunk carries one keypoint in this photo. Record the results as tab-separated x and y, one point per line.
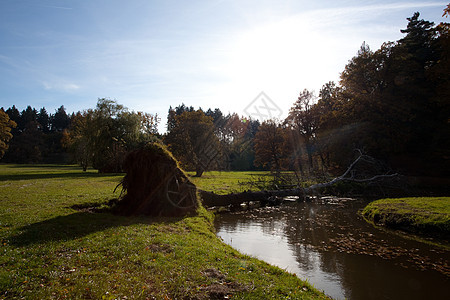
310	158
212	199
199	171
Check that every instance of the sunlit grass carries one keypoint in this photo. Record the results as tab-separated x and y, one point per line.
226	182
51	249
423	215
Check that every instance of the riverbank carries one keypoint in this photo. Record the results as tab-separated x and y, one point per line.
425	216
58	239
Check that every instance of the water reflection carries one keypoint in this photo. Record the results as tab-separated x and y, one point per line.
338	252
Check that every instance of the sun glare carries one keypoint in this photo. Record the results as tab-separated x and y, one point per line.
279	58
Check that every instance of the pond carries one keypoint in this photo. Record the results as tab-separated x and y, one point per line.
326	242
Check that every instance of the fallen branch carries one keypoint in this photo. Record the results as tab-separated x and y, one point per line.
212	199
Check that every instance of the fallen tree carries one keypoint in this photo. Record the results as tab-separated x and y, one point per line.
155	185
272	196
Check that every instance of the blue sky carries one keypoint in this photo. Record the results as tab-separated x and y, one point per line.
149	55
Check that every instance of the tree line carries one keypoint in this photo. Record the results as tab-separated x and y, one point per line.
34	136
392	103
97	137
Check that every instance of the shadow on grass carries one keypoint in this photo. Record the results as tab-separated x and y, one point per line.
65	175
77	225
52	166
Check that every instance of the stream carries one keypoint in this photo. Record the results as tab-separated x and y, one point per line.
327	243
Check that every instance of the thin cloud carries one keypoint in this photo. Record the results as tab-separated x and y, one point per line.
375	8
67	87
54	6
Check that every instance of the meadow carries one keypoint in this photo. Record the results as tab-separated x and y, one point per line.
59	239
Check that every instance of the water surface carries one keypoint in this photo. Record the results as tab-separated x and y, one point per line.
327	243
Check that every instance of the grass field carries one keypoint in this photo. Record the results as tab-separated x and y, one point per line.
53	246
227	182
426	215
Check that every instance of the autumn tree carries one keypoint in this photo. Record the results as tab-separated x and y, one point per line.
304	118
78	138
5	131
192	140
236	135
269	145
173	112
240	133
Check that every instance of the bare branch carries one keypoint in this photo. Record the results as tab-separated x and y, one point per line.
211	199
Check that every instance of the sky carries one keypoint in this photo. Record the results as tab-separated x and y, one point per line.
148	55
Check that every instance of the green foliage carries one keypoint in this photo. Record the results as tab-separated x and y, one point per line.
102	137
54	246
37	135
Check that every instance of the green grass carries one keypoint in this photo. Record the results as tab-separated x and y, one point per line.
226	182
426	216
51	249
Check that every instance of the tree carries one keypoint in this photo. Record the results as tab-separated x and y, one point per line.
269	145
103	136
304	118
441	76
192	140
5	131
173	112
395	100
28	146
44	120
148	124
330	106
28	116
237	141
78	138
14	115
60	120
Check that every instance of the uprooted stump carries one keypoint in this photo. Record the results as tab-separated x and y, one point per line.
155	185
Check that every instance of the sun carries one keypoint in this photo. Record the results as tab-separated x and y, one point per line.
279	58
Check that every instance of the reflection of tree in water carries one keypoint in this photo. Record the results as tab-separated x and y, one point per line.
307	233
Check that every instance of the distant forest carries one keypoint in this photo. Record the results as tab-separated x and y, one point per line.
392	103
